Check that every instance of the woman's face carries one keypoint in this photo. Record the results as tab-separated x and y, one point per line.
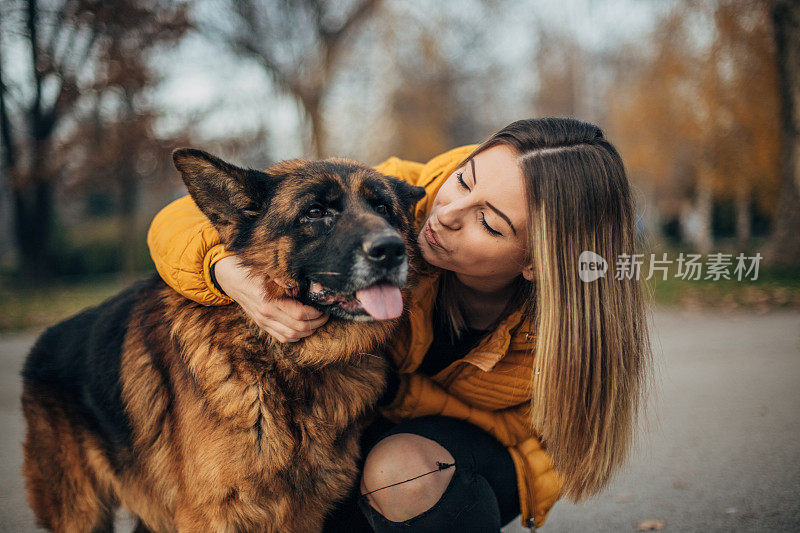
478	223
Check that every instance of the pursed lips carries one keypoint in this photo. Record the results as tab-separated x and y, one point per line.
433	237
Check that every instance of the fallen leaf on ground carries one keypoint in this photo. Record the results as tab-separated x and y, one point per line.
649	525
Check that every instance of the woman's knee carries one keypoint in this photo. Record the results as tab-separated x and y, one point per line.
400	457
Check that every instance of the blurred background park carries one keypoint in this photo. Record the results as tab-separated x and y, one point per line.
702	99
697	96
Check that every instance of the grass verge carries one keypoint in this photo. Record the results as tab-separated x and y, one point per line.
29	307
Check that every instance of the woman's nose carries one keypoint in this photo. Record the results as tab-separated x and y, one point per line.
450	214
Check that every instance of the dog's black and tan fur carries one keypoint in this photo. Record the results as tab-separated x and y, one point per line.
191	417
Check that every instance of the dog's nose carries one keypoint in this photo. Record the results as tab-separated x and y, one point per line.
385	250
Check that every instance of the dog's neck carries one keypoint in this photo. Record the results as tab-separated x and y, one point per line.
234	363
336	342
332	338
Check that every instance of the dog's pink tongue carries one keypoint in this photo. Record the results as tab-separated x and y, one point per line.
382	302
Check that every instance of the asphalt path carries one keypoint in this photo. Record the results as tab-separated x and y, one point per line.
720	450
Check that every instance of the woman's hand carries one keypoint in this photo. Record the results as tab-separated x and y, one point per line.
285	319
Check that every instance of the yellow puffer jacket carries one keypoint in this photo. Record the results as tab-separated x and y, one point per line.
489	387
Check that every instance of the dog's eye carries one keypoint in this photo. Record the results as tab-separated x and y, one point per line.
315	212
381	209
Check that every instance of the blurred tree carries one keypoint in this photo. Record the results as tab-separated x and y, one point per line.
425	80
65	52
698	118
561	67
423	113
656	128
113	151
443	72
739	88
784	246
298	43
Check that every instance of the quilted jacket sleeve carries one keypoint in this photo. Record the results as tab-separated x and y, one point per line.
540	486
184	244
408	171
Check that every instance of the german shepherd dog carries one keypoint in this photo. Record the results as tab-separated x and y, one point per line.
191	417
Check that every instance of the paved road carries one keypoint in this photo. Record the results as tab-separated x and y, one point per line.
722	452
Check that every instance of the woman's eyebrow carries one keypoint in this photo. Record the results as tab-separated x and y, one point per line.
490	206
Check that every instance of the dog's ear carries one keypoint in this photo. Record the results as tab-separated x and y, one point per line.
226	194
409	194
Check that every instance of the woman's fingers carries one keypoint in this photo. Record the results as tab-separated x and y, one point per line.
292	314
284	333
281	332
297	310
312	325
285	319
302	319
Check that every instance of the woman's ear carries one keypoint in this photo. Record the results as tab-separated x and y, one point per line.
527	272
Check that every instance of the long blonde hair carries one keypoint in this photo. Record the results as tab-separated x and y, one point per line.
592	355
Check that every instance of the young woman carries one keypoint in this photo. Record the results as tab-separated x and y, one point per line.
506	352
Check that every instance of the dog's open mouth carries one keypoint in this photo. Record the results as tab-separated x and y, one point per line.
381	301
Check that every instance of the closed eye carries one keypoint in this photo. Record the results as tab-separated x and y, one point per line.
463	184
488	227
460	178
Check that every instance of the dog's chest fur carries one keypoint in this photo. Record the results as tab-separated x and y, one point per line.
237	417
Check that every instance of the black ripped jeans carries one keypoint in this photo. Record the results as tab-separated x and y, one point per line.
482	495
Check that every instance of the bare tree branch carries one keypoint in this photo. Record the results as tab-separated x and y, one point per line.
294	42
9	151
361	12
58	24
33	25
